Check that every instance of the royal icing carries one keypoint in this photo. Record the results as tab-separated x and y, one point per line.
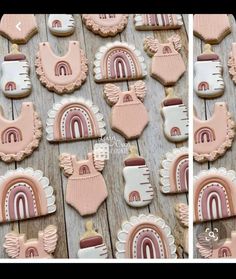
232	63
61	24
182	213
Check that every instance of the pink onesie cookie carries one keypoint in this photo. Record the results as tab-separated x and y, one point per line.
125	108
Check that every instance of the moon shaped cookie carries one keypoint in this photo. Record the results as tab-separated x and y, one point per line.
61	24
182	213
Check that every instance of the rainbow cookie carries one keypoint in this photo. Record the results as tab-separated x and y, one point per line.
61	24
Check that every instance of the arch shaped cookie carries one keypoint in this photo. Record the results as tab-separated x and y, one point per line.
61	24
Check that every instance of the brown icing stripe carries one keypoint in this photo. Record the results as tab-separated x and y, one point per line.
134	162
172	102
204	57
91	241
13	57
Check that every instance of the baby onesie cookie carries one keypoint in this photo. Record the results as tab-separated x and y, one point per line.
175	116
214	193
61	74
24	194
61	24
18	247
214	136
138	191
92	245
157	21
211	28
167	64
182	213
125	108
145	237
86	188
19	137
74	119
15	80
208	80
232	63
174	172
118	61
18	28
105	24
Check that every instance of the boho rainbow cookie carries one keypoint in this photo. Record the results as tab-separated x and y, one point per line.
182	214
214	136
19	137
18	247
61	74
125	108
105	24
24	194
61	24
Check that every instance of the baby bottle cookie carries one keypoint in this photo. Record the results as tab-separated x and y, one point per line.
61	24
15	80
138	190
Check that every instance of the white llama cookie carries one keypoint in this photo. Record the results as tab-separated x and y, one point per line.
61	24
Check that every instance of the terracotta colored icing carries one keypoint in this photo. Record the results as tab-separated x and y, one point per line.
61	24
24	194
19	137
214	136
134	162
18	28
126	106
18	247
182	213
61	74
145	236
105	24
232	63
211	28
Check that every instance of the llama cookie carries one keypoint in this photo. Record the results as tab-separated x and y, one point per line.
182	214
118	62
18	28
214	193
214	136
74	119
157	21
208	80
20	137
174	172
61	74
211	28
232	63
167	64
105	24
138	190
86	188
25	194
15	81
125	108
92	245
61	24
18	247
145	237
175	116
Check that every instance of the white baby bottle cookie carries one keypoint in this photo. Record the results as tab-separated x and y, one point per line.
61	24
15	80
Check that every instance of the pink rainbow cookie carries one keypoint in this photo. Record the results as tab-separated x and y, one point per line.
182	214
61	24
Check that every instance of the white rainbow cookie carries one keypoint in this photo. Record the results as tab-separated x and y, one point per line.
61	24
182	214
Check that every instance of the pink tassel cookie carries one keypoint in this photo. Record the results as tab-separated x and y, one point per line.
182	213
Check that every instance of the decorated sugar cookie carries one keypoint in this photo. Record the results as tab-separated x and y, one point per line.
182	213
19	137
61	24
18	28
174	171
105	24
232	63
208	81
74	119
214	136
24	194
92	245
167	64
61	74
175	116
18	247
214	194
15	80
138	190
125	108
86	187
157	21
117	62
211	28
145	237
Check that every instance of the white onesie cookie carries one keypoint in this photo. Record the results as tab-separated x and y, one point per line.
61	24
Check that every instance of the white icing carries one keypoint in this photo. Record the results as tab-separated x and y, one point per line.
67	24
95	252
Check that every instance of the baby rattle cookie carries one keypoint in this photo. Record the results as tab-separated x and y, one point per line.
61	24
214	136
105	24
182	214
208	80
18	247
92	245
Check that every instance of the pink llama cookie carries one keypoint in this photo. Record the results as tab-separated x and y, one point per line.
214	136
61	24
167	64
126	106
17	247
61	74
182	214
